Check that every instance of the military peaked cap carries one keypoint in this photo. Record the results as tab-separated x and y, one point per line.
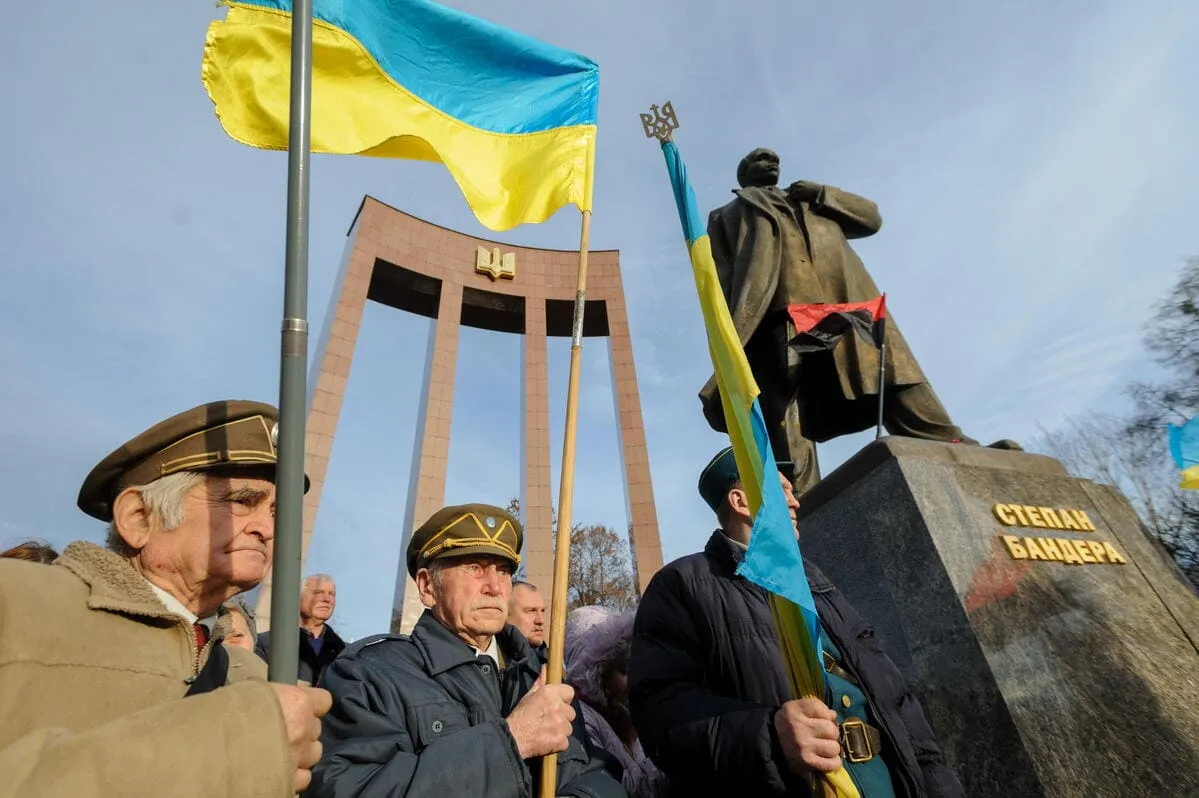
218	435
721	473
465	529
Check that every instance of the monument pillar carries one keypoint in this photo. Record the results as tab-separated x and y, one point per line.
430	455
335	346
411	265
644	542
536	499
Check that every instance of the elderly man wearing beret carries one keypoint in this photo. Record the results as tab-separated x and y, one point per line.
459	707
110	661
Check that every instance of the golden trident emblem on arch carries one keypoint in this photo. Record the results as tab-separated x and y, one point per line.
495	265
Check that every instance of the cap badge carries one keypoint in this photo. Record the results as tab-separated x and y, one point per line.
275	435
490	521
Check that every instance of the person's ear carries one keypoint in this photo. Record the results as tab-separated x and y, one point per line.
131	518
424	588
738	501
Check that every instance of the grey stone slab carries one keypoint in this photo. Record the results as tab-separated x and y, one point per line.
1040	678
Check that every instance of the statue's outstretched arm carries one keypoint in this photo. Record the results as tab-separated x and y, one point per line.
858	216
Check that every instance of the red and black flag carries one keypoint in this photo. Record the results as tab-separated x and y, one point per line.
820	327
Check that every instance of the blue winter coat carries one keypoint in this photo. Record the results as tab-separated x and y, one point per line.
421	716
706	677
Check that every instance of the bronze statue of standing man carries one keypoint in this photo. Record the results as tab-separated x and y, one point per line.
775	248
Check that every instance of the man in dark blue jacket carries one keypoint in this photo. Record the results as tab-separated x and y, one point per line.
711	700
459	707
319	644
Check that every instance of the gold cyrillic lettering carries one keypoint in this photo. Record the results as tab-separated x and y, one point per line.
1019	511
1034	517
1049	546
1084	522
1034	551
1051	519
1113	555
1069	555
1068	522
1004	514
1083	547
1014	547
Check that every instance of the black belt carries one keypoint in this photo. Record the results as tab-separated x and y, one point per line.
860	741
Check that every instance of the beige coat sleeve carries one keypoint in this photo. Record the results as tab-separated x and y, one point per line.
230	742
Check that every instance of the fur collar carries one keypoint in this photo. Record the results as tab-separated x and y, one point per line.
115	585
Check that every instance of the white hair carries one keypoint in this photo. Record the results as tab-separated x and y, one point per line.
317	578
166	498
436	569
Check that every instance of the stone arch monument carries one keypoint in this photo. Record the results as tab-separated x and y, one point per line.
415	266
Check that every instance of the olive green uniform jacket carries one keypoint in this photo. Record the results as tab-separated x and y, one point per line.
93	674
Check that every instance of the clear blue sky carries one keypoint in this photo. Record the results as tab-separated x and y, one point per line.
1035	164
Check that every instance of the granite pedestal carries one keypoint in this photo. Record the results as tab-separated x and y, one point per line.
1046	668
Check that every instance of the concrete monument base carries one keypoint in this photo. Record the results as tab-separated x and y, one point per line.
1054	646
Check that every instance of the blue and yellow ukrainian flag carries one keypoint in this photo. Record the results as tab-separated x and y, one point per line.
773	560
513	119
1184	447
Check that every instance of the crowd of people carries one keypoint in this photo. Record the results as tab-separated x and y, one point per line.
135	668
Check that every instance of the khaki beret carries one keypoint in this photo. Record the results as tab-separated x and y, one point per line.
217	435
465	529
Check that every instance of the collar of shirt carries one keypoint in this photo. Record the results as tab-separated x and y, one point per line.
492	650
175	607
743	546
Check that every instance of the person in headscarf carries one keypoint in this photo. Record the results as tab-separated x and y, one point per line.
578	622
597	667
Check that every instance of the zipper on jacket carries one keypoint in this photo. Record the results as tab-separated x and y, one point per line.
196	651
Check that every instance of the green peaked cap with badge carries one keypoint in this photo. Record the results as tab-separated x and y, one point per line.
465	529
224	436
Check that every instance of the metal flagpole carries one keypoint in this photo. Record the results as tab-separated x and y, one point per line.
553	674
882	382
882	366
293	393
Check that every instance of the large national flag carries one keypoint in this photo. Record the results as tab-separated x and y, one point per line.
773	560
820	326
1184	447
512	118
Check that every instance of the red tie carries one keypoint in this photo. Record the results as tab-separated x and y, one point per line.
201	635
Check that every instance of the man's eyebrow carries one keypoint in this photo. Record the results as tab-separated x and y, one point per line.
244	494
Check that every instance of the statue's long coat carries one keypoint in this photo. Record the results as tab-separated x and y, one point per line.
758	237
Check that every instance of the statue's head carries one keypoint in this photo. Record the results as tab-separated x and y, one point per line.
760	168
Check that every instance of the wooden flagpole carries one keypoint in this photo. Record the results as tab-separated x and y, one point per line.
549	764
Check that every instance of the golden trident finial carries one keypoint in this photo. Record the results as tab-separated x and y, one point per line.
659	123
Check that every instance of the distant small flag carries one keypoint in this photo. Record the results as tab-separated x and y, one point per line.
1184	447
821	326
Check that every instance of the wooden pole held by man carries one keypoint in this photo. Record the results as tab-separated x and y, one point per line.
549	765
